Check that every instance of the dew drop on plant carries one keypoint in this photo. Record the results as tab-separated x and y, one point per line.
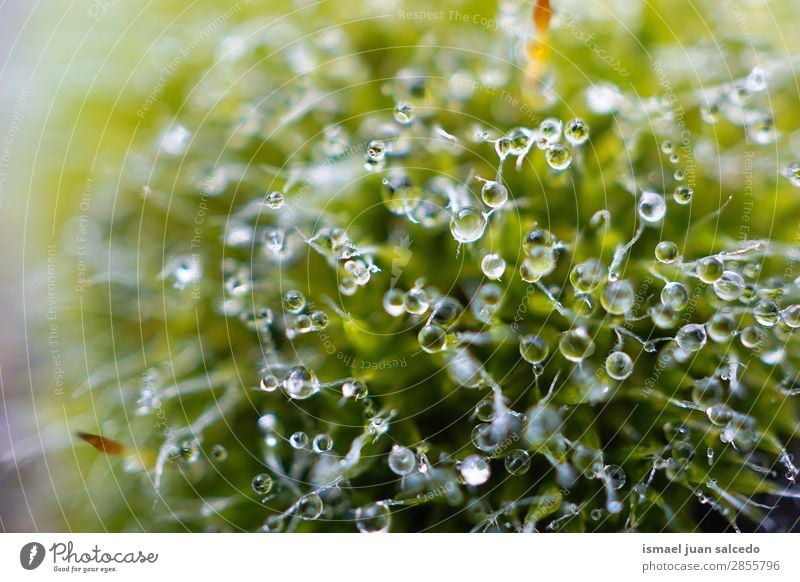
691	337
666	252
517	462
503	147
766	313
376	151
467	225
533	348
721	327
348	286
792	173
432	339
663	316
683	195
176	140
576	132
619	365
298	440
187	271
558	157
550	130
757	79
475	470
752	336
445	311
538	237
416	301
219	453
322	443
269	383
373	518
494	194
541	261
519	140
791	316
587	276
618	297
294	301
404	113
709	269
354	389
300	383
729	286
576	345
402	460
616	476
394	302
319	320
651	206
274	200
261	483
189	451
675	295
309	507
493	266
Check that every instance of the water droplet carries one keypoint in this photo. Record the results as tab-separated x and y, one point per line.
675	295
309	507
298	440
274	200
683	195
752	336
691	337
533	348
373	518
792	173
729	286
402	460
576	345
294	301
493	266
354	389
219	453
618	297
663	316
558	157
541	261
300	383
467	225
416	301
709	269
757	79
766	313
322	443
651	206
519	140
494	194
176	140
517	462
721	327
269	383
475	470
619	365
666	252
587	276
262	483
376	151
588	461
445	311
404	113
791	316
394	302
576	132
432	339
550	130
